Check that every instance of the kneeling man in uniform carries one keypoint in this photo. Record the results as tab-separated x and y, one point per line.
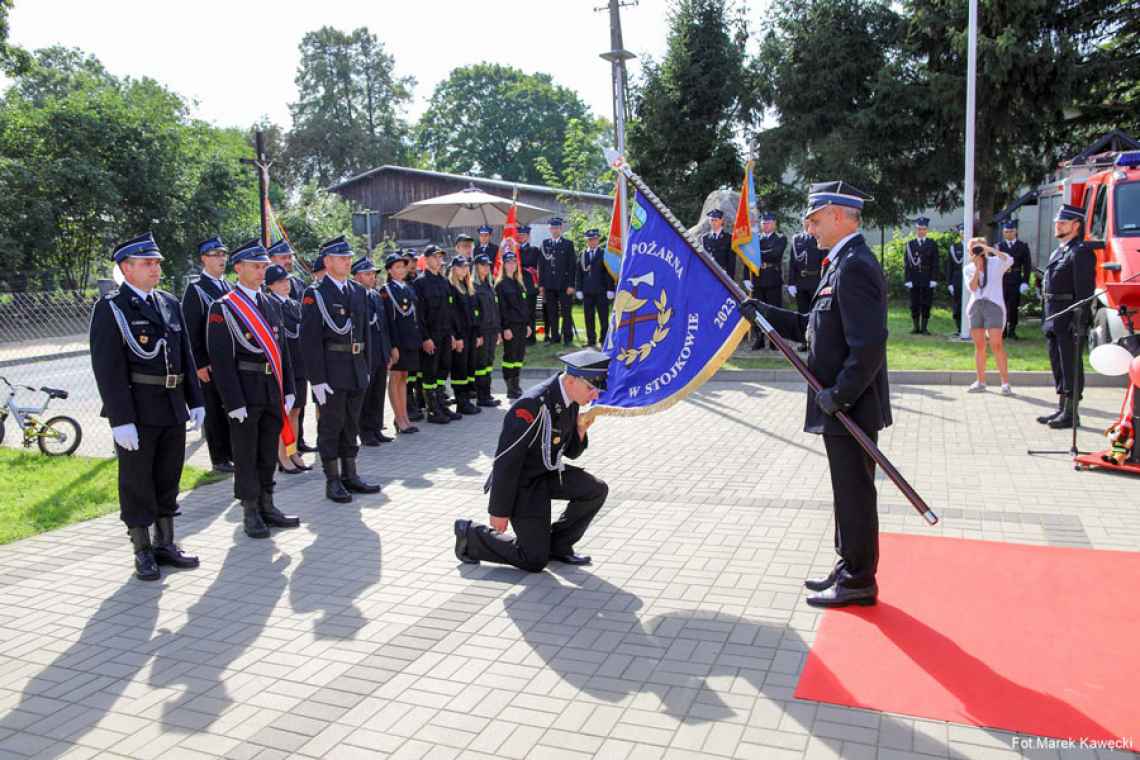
539	430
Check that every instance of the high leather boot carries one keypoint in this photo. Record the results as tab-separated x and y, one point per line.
483	387
251	520
925	324
166	552
445	404
1067	418
352	481
464	405
916	330
146	567
435	411
334	487
416	403
272	516
1045	419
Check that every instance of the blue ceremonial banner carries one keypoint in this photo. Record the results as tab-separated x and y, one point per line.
674	323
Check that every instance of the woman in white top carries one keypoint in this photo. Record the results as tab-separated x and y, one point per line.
986	309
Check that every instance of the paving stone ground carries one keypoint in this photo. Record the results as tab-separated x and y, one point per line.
358	635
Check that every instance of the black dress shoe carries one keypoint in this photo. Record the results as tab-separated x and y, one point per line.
223	467
274	517
571	559
305	448
838	596
335	491
352	481
408	429
287	471
461	527
166	552
385	438
820	584
369	440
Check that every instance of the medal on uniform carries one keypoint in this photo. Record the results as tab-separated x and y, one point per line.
556	440
143	339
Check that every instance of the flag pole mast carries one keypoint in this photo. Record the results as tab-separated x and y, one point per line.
785	348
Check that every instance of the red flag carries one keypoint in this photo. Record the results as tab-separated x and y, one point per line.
510	231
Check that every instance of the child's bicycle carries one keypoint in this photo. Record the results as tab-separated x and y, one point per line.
57	437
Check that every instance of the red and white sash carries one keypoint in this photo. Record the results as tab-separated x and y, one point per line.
250	317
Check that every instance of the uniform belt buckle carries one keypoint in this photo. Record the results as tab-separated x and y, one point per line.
171	381
357	348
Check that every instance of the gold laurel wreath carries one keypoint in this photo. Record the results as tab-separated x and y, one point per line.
630	355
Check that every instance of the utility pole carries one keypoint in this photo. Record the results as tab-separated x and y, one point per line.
617	55
262	163
968	200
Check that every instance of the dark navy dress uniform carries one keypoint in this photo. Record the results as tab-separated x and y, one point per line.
954	263
465	325
556	276
539	431
515	303
1014	277
529	256
291	330
433	309
768	283
847	331
1070	276
490	250
488	327
372	409
337	345
400	311
200	294
921	268
595	284
805	269
246	381
145	372
719	246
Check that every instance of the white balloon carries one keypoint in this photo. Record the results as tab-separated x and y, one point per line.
1110	359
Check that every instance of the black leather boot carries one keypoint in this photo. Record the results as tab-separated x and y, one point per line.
166	552
1067	418
146	567
925	324
274	517
352	481
334	488
251	520
435	413
483	389
916	330
464	405
1045	419
445	405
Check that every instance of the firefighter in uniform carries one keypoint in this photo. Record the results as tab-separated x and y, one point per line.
539	430
433	310
768	283
202	291
145	373
556	278
595	289
848	327
514	313
464	318
718	243
1015	282
282	254
415	400
244	331
337	345
804	272
278	285
954	264
528	258
488	332
921	267
400	312
381	359
485	247
1070	276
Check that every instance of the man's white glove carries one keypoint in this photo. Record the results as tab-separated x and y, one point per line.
239	414
126	436
578	295
909	285
748	285
1024	288
197	416
933	283
792	291
951	289
320	391
290	399
610	295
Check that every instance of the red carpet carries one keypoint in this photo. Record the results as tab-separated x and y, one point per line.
1033	639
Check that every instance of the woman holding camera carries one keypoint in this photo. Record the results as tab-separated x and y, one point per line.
986	310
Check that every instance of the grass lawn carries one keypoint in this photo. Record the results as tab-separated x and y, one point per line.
39	493
904	351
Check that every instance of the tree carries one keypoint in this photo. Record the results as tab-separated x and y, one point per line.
347	118
496	121
316	217
687	107
13	59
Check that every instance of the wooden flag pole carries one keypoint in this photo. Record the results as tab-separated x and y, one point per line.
785	348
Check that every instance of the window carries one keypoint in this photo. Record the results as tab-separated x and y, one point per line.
1126	209
1099	214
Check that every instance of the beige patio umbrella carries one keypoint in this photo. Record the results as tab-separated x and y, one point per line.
470	207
